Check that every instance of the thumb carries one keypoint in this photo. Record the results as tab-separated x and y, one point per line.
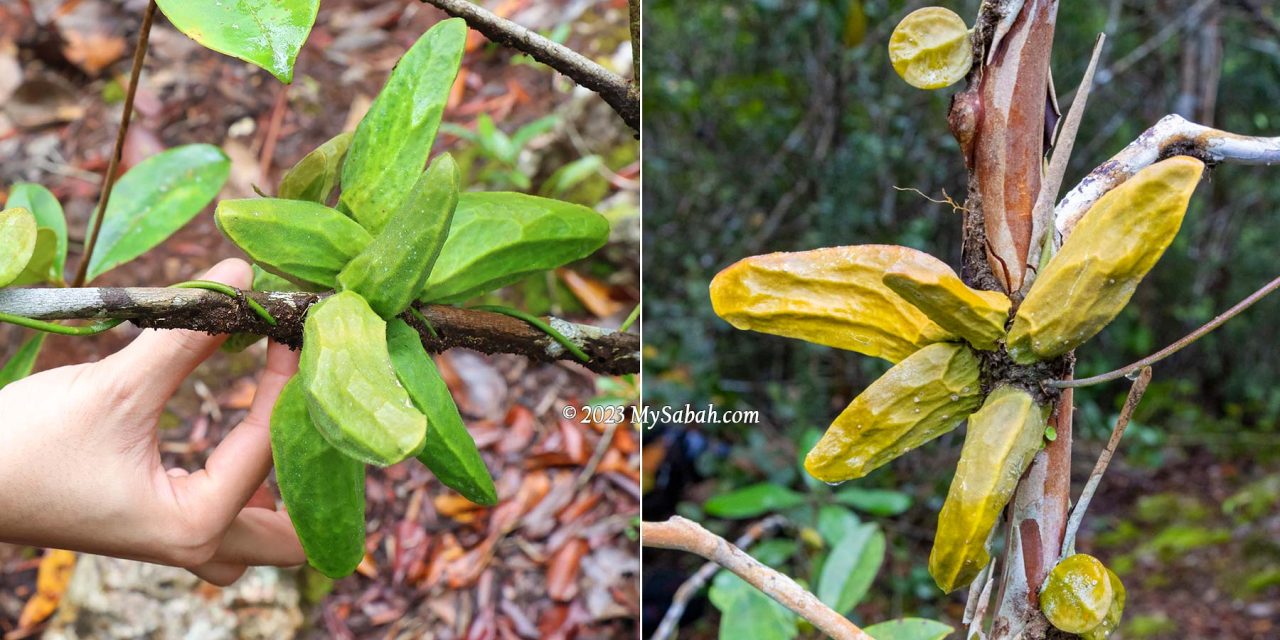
159	360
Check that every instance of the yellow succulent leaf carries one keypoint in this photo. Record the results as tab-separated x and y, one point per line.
1003	436
1114	245
930	48
834	297
919	399
977	316
1077	594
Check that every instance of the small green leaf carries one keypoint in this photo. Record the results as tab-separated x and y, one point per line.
316	174
851	567
155	199
1050	434
394	139
48	212
571	175
268	33
834	522
17	243
450	452
745	612
499	238
39	268
909	629
877	502
752	501
22	361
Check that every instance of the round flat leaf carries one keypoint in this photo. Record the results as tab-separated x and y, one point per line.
17	242
752	501
268	33
156	198
39	268
48	212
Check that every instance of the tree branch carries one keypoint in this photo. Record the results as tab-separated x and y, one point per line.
1172	135
690	587
686	535
622	96
212	312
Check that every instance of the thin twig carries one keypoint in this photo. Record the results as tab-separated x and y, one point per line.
686	535
634	7
1077	515
695	582
602	447
1175	347
613	88
212	312
109	180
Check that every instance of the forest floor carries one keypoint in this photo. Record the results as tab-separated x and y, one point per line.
558	556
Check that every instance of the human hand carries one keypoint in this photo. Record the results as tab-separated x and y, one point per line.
80	465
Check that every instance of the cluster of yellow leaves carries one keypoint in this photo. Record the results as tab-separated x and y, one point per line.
910	308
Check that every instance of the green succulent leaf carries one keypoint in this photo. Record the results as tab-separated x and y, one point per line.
17	243
48	212
391	271
499	238
322	488
316	174
394	139
22	361
449	452
40	268
303	242
268	33
155	199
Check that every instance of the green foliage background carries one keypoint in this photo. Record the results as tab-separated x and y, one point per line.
766	131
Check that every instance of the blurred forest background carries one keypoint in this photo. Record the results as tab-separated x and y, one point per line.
780	126
557	557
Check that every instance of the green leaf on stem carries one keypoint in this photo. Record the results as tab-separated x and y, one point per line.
909	629
745	612
22	361
851	567
752	501
155	199
17	243
316	174
268	33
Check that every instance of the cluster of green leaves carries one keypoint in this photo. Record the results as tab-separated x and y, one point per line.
397	235
150	202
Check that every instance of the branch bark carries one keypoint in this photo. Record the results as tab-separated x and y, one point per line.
621	95
685	535
166	308
1172	135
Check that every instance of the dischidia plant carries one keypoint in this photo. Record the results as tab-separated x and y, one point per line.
993	346
396	237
